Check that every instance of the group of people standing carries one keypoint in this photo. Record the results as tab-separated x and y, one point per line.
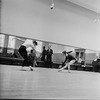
46	56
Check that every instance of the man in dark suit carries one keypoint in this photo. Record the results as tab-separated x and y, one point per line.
49	57
43	54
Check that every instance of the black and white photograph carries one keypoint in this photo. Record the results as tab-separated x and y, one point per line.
50	49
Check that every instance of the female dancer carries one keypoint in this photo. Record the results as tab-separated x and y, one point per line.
69	60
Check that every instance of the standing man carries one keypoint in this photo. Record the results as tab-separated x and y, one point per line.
49	57
69	60
43	54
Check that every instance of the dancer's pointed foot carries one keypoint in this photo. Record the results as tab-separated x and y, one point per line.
31	68
59	70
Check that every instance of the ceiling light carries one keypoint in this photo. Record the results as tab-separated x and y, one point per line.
52	4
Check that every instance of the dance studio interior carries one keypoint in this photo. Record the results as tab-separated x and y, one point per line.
61	25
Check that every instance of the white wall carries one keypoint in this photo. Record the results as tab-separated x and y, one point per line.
65	24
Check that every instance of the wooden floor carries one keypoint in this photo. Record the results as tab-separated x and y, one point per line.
46	83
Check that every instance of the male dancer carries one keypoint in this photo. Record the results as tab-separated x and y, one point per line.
23	50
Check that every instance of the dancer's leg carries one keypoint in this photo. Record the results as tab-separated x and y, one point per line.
63	67
70	63
23	53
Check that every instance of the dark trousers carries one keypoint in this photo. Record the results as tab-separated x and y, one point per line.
49	62
23	53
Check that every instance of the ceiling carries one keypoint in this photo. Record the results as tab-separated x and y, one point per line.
93	5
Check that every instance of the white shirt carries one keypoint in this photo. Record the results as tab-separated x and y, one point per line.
28	50
28	43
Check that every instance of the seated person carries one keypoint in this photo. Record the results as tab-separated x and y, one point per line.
79	60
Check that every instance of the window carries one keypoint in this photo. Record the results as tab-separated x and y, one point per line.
2	38
11	44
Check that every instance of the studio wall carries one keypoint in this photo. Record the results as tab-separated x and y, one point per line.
66	24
